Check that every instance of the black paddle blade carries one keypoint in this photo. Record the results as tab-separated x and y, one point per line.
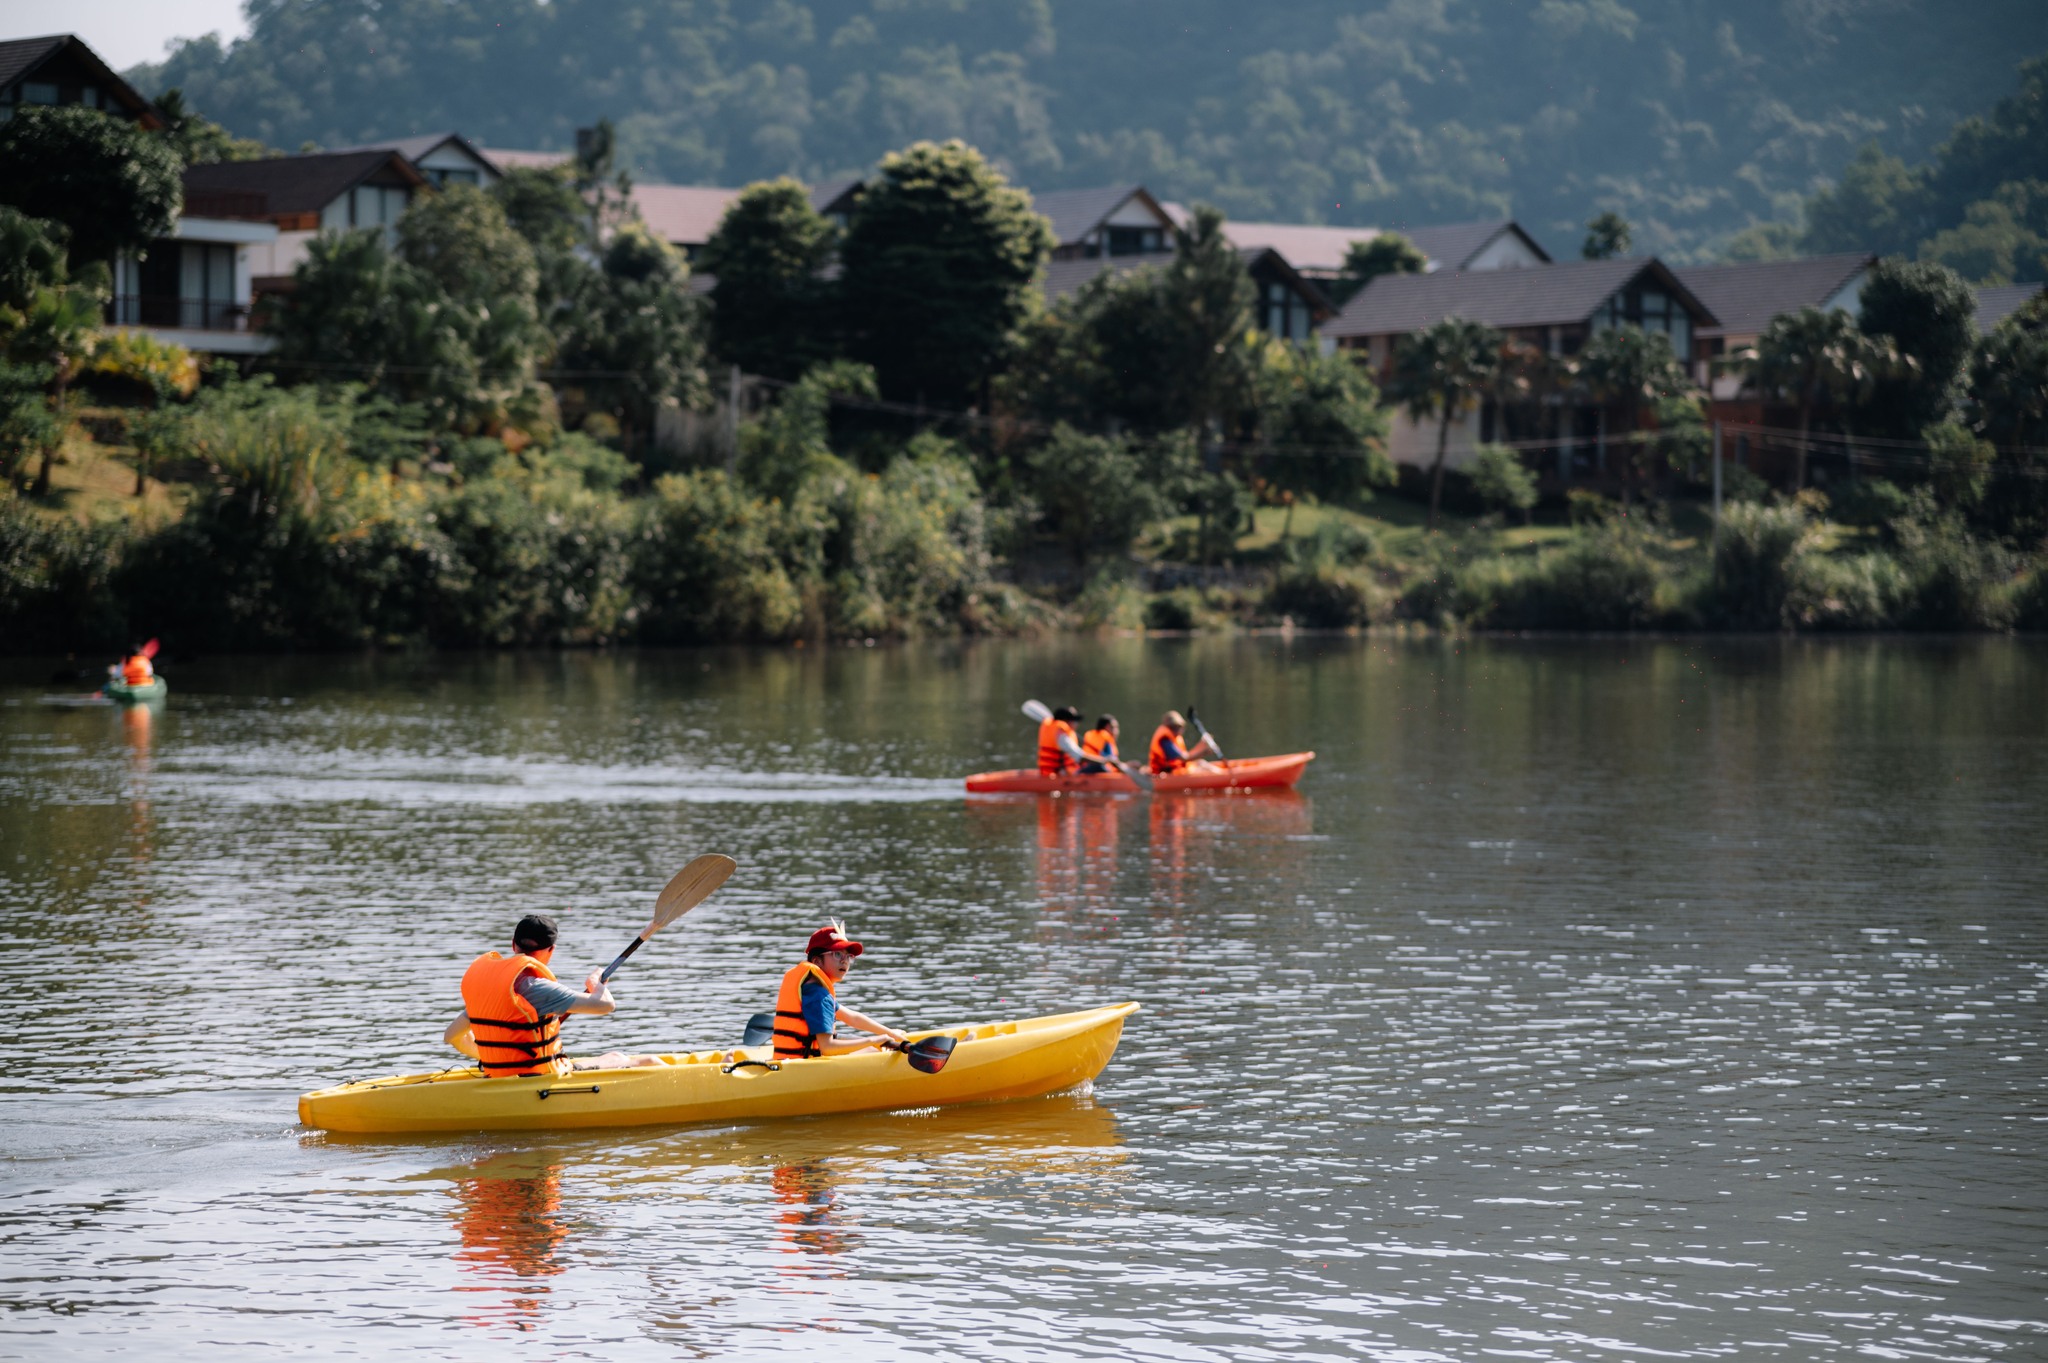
930	1055
760	1030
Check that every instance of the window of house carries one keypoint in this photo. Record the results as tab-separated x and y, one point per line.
35	92
1133	241
444	178
89	96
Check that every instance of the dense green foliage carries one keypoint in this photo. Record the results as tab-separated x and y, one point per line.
1692	121
772	308
112	186
1979	204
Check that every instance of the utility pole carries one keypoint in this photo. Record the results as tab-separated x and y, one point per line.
1715	551
732	424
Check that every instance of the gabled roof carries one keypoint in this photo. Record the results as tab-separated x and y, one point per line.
1996	302
683	215
1309	247
291	184
1065	277
837	196
21	56
506	158
415	149
1544	295
1077	212
1746	297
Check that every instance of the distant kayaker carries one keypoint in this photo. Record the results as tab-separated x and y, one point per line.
1098	747
1168	754
512	1009
137	670
1058	752
807	1008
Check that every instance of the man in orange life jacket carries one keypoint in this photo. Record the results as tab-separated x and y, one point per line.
512	1010
807	1007
1168	755
1058	753
137	671
1098	747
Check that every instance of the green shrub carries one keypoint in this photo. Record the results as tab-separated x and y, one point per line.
1111	600
1179	609
1864	591
1760	566
704	569
1604	579
1502	480
2030	598
57	581
1957	580
1326	596
1875	502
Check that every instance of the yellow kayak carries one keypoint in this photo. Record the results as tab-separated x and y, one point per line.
990	1061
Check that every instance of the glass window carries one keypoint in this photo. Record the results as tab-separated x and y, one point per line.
33	92
89	96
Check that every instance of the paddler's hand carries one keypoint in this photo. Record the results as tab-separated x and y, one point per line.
596	987
898	1037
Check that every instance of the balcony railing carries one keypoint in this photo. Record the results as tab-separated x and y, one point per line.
191	314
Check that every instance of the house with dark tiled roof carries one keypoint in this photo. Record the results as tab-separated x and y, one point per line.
1745	297
1554	308
302	196
1116	220
1290	306
61	69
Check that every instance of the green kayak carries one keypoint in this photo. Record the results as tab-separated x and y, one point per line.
121	693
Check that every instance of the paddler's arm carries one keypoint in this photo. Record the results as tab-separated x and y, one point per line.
1073	749
867	1024
458	1036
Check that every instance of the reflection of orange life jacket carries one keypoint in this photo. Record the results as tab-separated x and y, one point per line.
1099	747
793	1038
137	671
1162	765
1052	758
511	1036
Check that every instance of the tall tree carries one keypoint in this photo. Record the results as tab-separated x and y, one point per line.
1365	261
1440	373
113	187
1608	235
940	268
770	309
1930	314
1320	428
633	341
1628	369
1817	356
199	141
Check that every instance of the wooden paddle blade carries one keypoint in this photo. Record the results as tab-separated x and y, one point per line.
760	1030
930	1055
691	886
1035	710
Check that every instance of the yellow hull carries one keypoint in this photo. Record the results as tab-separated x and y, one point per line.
992	1061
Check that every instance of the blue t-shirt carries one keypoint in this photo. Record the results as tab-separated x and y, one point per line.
821	1010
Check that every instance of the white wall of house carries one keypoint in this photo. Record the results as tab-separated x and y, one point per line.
449	164
280	256
1412	442
213	310
1505	252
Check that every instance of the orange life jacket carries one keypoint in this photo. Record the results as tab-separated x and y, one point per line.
1099	746
137	671
793	1037
511	1036
1161	764
1052	758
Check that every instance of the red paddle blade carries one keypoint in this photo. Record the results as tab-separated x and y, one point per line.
149	649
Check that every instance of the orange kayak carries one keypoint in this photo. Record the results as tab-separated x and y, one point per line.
1241	773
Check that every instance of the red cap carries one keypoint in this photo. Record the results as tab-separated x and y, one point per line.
831	937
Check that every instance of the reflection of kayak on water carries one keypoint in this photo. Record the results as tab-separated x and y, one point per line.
1243	773
991	1061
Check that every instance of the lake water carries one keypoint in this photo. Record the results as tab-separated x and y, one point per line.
1607	999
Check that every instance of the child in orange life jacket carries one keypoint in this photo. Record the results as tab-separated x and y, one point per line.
1098	747
807	1006
511	1019
137	670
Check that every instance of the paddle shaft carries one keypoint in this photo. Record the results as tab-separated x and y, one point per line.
1202	733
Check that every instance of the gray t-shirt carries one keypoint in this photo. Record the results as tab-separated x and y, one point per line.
547	996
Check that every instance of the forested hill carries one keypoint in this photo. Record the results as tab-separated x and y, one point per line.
1693	120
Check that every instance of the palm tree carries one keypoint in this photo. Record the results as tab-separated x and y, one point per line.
1440	373
57	329
1629	368
1813	356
